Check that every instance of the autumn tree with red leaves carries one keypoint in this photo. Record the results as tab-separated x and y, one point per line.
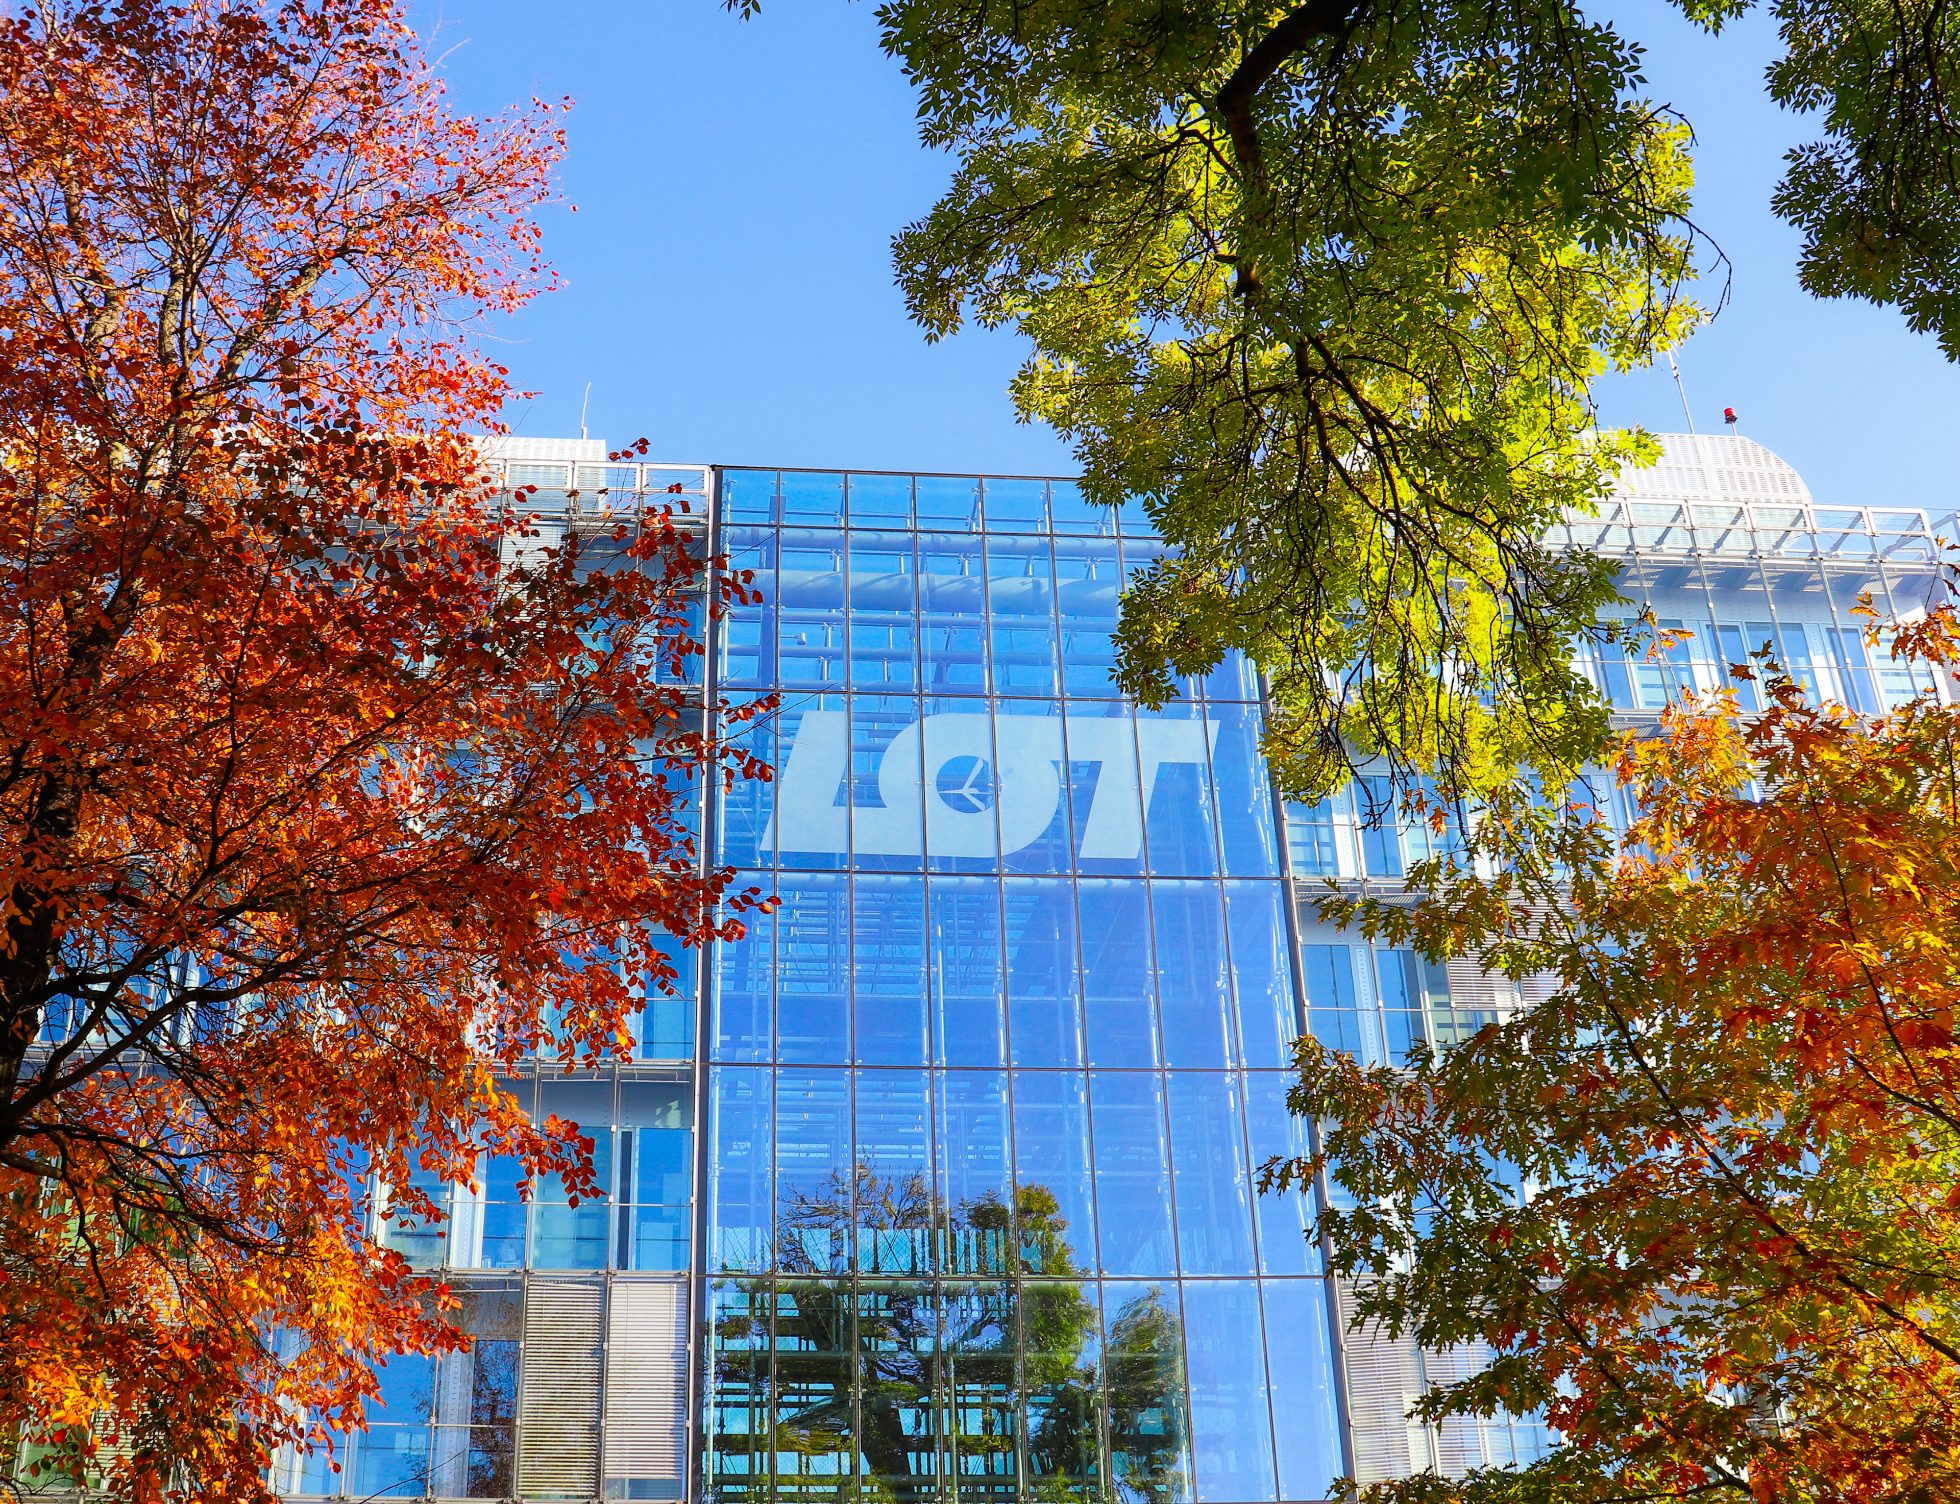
317	811
1701	1206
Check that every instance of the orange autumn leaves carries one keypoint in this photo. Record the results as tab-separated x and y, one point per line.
1701	1203
327	790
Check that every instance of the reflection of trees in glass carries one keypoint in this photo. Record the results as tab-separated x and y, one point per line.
476	1396
493	1418
1143	1370
968	1337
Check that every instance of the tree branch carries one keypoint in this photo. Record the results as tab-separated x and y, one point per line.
1297	29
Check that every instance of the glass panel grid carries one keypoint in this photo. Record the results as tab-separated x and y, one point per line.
986	1060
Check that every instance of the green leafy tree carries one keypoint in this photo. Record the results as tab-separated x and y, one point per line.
1700	1204
1326	286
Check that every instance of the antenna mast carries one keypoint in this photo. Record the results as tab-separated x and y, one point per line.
1686	411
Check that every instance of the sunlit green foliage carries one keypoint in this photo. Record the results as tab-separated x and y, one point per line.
1325	287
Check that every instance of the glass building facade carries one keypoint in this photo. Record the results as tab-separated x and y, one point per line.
987	1093
940	1184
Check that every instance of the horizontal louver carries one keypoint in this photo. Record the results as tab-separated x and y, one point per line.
1460	1442
1384	1378
558	1413
1473	988
646	1382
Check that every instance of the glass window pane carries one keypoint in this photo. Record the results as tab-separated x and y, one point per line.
975	791
812	1422
738	1410
406	1389
1143	1382
1262	982
748	637
587	1102
1285	1216
315	1473
1233	679
449	1461
1021	616
1088	582
1214	1185
490	1228
1379	813
748	496
948	503
570	1237
741	1222
808	803
1062	1342
657	1237
1737	646
1132	1173
1180	812
489	1462
810	646
1072	512
884	608
1116	988
1314	836
1399	977
813	1171
423	1244
889	968
1028	738
880	501
897	1395
952	615
1044	1023
887	815
1193	993
977	1382
1854	670
1017	506
1231	1429
975	1172
391	1462
1104	787
810	498
1054	1208
964	956
662	1144
893	1173
1302	1375
1245	792
1339	1016
1141	555
813	968
664	1028
744	818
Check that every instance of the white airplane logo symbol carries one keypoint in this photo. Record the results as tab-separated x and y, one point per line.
966	784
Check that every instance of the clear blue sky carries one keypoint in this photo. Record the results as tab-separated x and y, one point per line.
729	295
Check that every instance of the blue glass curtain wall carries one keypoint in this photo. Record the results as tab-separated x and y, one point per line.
980	1216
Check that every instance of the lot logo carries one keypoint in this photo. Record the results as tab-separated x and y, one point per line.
980	777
